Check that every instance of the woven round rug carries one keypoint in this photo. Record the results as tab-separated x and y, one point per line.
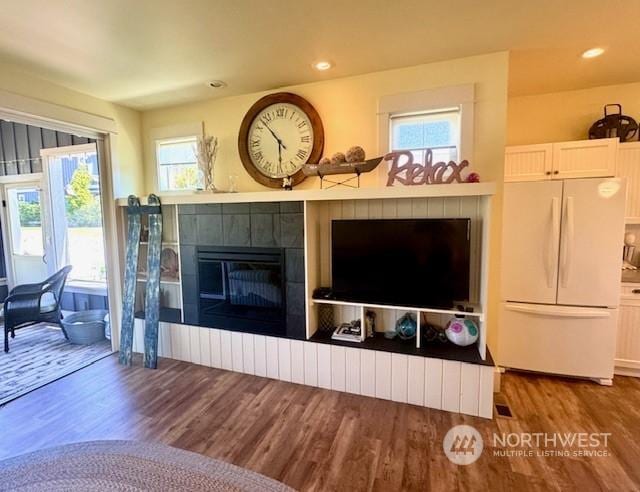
126	466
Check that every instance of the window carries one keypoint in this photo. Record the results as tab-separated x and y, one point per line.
177	165
435	130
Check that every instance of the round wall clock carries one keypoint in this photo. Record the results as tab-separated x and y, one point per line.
279	134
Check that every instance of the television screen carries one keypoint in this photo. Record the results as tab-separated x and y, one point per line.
406	262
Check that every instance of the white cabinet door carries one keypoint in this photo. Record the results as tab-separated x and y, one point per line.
591	242
628	166
528	162
628	340
585	158
531	232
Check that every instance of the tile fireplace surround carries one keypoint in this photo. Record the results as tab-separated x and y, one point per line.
245	225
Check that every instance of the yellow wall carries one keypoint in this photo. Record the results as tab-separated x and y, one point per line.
127	161
348	109
562	116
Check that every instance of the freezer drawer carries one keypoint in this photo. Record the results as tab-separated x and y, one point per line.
564	340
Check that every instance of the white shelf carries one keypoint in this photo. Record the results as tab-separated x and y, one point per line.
316	194
168	282
452	312
164	243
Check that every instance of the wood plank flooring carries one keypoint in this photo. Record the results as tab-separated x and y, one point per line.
315	439
40	354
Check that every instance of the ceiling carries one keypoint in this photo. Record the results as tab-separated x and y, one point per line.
152	53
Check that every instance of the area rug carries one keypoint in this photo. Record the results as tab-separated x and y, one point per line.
40	354
126	466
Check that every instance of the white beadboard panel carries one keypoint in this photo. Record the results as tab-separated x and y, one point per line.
352	370
138	336
205	346
469	388
164	341
225	350
260	355
367	373
248	358
404	208
310	364
272	358
383	375
435	208
348	209
180	342
433	383
324	366
297	361
284	359
337	368
194	344
216	353
236	351
361	210
485	392
451	385
399	363
415	380
375	209
390	209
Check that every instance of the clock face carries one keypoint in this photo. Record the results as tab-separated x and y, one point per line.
280	140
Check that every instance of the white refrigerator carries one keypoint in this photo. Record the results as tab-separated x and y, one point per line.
561	264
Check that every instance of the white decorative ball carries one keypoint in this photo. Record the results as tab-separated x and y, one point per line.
462	332
325	161
629	239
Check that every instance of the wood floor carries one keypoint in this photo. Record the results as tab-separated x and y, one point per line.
40	354
315	439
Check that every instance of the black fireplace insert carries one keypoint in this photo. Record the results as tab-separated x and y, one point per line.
242	289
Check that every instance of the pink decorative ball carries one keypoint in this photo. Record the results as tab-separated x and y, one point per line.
337	158
355	154
325	161
473	178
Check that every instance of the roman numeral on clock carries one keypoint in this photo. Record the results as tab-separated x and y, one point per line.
301	154
305	138
255	143
281	113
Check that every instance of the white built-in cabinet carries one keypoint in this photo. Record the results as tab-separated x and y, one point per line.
629	167
561	160
628	340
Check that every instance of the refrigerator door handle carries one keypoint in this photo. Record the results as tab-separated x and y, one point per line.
557	311
552	244
567	242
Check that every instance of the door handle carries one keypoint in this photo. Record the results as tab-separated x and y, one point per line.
44	258
567	242
553	240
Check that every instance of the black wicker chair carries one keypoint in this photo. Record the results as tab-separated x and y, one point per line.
24	306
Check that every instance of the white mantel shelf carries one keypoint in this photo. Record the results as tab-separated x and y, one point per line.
420	191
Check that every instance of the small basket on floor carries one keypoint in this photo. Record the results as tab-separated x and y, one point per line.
85	327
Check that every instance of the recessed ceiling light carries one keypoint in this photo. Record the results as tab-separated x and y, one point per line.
322	65
217	84
593	52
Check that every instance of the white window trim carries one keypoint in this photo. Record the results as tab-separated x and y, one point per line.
462	96
166	134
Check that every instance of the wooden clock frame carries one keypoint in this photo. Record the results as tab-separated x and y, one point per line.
259	105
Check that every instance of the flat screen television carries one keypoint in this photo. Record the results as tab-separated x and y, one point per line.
405	262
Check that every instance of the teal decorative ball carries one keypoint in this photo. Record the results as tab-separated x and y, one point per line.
406	327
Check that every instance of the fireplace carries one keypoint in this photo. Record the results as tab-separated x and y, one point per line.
242	289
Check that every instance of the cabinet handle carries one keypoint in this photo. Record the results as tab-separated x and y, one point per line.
548	173
556	172
635	291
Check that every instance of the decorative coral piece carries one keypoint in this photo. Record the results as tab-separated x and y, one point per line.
338	158
355	154
325	161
